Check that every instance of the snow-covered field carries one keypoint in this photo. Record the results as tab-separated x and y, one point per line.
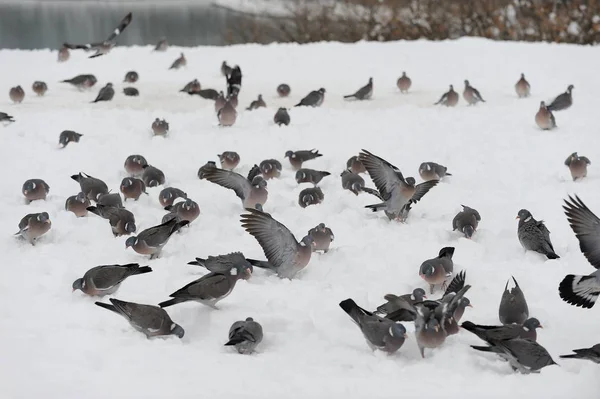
58	344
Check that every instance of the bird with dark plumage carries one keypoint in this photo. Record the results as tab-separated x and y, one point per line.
105	46
185	210
162	45
152	176
110	199
534	235
304	175
577	165
152	240
131	77
225	69
180	62
63	54
160	127
438	270
68	136
92	187
523	355
396	312
513	306
224	263
310	196
251	190
313	99
122	221
205	168
471	94
433	171
592	354
364	93
352	182
282	117
234	81
245	335
355	166
4	117
270	168
466	221
562	101
82	81
132	188
283	90
527	330
297	158
227	115
522	87
449	99
323	237
106	279
105	94
131	92
192	87
258	103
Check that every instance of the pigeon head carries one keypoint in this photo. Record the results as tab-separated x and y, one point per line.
468	230
425	166
531	324
282	109
308	199
177	330
249	319
78	284
130	227
418	294
542	104
322	90
403	74
300	175
571	87
131	241
43	217
109	85
451	88
321	227
466	83
289	154
523	215
427	269
410	181
126	182
259	182
266	167
522	76
370	80
433	324
397	330
81	197
258	207
28	186
189	204
308	241
465	302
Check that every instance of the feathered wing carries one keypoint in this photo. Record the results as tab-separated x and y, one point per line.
586	226
231	180
120	28
384	175
422	189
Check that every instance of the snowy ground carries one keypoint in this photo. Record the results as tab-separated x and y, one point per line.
57	344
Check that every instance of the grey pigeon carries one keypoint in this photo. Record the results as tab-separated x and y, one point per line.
577	166
534	235
449	99
354	165
397	313
105	46
131	77
160	127
16	94
380	333
113	200
466	221
68	136
526	330
471	94
323	237
106	279
313	99
251	190
352	182
78	204
105	94
403	83
283	90
282	117
223	263
258	103
134	165
152	176
310	196
39	88
437	270
579	290
122	221
592	354
513	306
168	195
270	168
132	188
35	189
229	160
227	115
210	288
544	117
63	54
225	69
207	94
4	117
396	191
220	102
297	158
34	225
205	168
523	355
285	255
90	186
179	62
82	81
310	176
433	171
245	335
185	210
192	87
162	45
522	87
563	101
364	93
148	319
152	240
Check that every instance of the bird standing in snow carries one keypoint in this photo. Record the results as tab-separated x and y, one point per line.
534	235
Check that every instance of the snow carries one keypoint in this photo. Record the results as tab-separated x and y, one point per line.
57	344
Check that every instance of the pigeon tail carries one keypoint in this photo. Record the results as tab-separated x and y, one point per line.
261	264
171	302
552	255
107	306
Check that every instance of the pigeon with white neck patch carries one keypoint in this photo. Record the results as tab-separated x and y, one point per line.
534	235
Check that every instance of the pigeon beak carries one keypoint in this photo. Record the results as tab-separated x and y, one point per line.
469	305
541	326
25	192
405	336
517	217
73	290
47	221
425	296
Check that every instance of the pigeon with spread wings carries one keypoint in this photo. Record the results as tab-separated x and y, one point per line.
104	47
251	190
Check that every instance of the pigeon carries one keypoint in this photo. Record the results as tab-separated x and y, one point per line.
355	166
206	167
134	165
297	158
283	90
152	240
185	210
258	103
4	117
391	311
310	176
523	355
466	221
522	87
105	94
109	199
322	236
220	102
160	127
16	94
527	330
592	354
132	188
282	117
437	270
229	160
534	235
192	87
104	47
234	81
577	165
224	263
270	168
563	101
148	319
352	182
310	196
131	77
39	88
106	279
78	204
404	83
68	136
225	69
380	333
152	176
471	94
35	189
544	118
313	99
82	81
179	62
162	45
207	94
122	221
449	99
285	255
227	115
63	54
579	290
364	93
251	190
168	195
432	171
245	336
513	306
34	225
93	188
233	99
396	191
210	288
131	92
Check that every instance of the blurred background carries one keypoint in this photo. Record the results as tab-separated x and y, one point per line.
33	24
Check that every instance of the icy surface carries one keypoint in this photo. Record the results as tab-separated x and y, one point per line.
58	344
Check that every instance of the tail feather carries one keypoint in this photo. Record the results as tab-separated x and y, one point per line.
107	306
483	348
582	291
352	309
376	207
94	210
552	255
261	264
572	356
141	270
198	262
325	173
349	96
448	174
171	302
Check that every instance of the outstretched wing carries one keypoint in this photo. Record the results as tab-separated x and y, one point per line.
586	226
119	29
231	180
384	175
